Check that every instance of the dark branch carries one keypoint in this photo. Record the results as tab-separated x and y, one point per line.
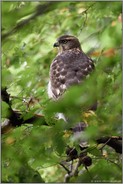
5	96
15	118
114	141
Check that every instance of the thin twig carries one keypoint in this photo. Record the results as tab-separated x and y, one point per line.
85	12
113	163
88	173
65	167
105	144
75	173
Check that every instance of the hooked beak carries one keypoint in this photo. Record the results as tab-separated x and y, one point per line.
56	44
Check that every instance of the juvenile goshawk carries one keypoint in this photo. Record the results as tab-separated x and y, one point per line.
70	67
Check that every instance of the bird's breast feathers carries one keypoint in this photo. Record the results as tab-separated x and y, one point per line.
67	69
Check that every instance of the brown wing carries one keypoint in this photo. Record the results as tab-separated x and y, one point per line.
67	69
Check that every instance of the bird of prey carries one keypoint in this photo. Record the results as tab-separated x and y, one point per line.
70	67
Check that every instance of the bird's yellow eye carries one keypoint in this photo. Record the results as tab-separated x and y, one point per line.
63	41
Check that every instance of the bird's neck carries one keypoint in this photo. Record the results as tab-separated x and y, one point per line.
77	49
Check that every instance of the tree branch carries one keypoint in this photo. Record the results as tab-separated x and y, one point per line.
114	141
15	118
40	10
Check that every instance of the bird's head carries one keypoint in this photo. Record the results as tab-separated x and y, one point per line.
67	42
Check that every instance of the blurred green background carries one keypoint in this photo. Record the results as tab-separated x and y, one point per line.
31	153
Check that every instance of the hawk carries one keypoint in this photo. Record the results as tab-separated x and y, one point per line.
70	67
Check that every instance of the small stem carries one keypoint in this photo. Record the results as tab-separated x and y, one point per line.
68	171
88	173
105	143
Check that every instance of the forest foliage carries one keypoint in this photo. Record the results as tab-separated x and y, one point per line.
33	140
